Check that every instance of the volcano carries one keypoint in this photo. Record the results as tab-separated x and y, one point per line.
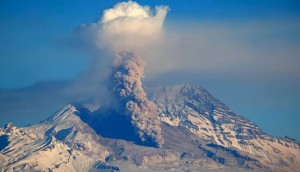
170	128
199	133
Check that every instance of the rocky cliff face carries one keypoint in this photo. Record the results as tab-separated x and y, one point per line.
199	131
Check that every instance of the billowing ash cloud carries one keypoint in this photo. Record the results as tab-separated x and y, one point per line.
127	87
127	26
125	29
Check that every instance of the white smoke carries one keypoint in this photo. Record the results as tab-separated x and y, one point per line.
127	26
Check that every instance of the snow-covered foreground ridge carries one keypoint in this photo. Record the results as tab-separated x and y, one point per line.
200	133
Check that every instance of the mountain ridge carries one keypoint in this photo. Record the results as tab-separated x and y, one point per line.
200	133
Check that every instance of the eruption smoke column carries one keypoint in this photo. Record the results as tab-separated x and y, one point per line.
130	27
127	87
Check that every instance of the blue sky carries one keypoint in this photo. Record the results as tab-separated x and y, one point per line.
257	76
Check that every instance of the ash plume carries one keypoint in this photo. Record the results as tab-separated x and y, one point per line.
132	100
127	29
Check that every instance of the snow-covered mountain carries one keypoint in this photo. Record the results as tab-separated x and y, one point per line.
61	142
208	118
199	131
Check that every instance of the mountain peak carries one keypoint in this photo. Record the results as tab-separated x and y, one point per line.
8	129
61	115
200	132
9	126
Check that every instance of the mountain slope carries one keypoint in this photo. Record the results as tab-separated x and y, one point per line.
195	109
199	131
62	142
